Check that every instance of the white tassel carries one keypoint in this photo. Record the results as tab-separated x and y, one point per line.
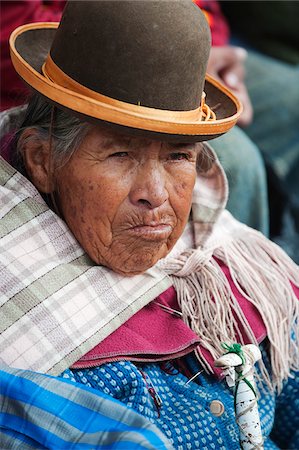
237	365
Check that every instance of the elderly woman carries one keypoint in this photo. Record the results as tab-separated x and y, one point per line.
122	274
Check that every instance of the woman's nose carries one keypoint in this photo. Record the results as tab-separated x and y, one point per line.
149	186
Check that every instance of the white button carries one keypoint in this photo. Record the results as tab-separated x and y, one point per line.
217	408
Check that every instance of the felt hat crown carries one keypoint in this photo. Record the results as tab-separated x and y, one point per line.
138	66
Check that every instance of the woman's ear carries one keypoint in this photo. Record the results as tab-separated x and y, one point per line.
37	160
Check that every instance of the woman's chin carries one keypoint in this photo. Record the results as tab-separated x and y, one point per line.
129	273
136	264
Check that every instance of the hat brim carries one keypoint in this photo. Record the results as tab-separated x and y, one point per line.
30	44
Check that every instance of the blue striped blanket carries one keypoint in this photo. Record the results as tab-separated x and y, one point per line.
88	419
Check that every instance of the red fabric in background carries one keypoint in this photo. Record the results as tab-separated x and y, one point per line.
218	24
14	14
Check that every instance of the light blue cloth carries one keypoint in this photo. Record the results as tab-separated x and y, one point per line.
43	412
273	87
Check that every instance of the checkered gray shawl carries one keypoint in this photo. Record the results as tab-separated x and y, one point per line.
56	304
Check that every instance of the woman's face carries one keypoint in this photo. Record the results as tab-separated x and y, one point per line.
127	200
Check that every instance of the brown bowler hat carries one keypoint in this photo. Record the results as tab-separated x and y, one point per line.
138	66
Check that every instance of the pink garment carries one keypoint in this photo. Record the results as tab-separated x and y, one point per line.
154	334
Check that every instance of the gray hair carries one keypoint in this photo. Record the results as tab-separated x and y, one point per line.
65	131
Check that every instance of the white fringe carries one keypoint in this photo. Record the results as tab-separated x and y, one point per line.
262	273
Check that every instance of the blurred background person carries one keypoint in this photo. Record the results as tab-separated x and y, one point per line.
268	75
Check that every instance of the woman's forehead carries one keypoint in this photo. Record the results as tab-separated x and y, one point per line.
109	139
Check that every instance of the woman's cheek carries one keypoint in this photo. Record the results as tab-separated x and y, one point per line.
183	192
181	203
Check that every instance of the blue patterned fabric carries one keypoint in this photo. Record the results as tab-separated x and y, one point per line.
43	412
185	417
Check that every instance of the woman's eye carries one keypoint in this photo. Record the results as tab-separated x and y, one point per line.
118	155
178	156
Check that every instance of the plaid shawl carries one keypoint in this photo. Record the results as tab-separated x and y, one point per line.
56	304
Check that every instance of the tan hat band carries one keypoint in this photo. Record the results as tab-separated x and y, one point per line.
53	73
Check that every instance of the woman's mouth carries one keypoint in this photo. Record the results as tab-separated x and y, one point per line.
153	232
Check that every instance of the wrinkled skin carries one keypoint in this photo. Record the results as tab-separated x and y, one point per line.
127	200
